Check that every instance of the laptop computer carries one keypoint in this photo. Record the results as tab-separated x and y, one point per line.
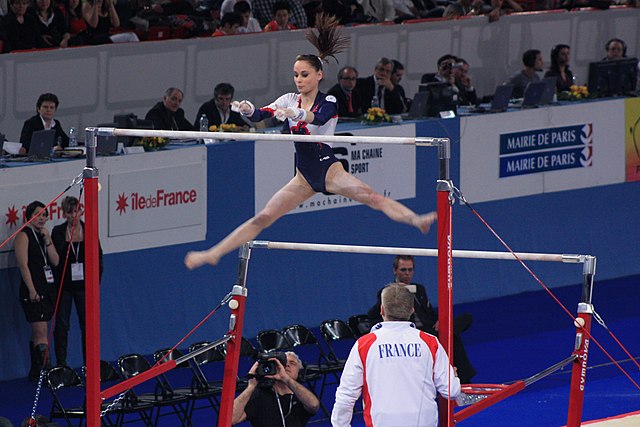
419	106
499	102
549	90
42	142
107	145
533	94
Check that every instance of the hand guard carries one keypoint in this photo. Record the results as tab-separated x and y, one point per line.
295	114
244	107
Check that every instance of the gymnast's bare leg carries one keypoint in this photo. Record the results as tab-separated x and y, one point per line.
341	182
287	198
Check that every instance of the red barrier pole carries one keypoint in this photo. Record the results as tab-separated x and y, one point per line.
581	346
92	285
236	322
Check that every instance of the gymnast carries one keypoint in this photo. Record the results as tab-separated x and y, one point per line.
309	112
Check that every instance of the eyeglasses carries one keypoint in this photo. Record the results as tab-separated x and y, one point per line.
348	78
405	270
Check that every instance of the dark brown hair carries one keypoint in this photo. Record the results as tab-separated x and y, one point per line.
327	39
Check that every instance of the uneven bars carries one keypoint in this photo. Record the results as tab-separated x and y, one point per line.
245	136
383	250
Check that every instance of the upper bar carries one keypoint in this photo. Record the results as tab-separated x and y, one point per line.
250	136
383	250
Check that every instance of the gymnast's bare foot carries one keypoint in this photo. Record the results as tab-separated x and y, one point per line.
423	222
197	259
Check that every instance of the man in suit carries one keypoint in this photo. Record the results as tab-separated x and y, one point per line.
46	108
380	85
167	114
218	109
348	99
425	316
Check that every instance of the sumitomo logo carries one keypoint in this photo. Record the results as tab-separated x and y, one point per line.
161	198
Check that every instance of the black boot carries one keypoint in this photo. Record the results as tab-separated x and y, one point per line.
42	358
34	371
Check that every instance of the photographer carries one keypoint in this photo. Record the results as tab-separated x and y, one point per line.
275	400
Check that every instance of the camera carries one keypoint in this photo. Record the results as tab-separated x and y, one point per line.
267	366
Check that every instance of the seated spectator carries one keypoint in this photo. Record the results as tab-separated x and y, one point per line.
445	71
101	16
167	114
52	25
397	73
464	8
450	71
379	85
20	29
381	10
77	26
263	12
425	317
560	67
218	109
533	63
346	11
616	49
416	9
501	7
466	92
46	108
348	99
249	23
280	22
227	6
173	7
228	25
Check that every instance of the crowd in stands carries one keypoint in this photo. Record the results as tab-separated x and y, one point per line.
42	24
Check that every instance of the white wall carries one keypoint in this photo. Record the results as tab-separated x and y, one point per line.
93	83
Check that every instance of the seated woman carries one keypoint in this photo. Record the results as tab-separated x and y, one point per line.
19	29
77	26
101	16
52	25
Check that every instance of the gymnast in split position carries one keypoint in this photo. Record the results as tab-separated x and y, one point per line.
309	112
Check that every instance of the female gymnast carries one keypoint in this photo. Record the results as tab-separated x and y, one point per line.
309	112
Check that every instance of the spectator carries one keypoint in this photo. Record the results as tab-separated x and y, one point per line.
263	12
77	26
466	92
293	404
20	29
228	25
348	99
227	6
397	73
281	12
4	7
560	68
38	421
426	318
53	28
249	24
36	256
616	49
68	238
415	9
398	369
533	63
167	114
101	16
173	7
464	8
381	10
218	109
445	71
500	7
46	108
379	85
346	11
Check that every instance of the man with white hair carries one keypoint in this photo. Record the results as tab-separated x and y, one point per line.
397	368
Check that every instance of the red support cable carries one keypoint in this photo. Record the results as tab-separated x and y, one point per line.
92	299
579	370
445	285
231	361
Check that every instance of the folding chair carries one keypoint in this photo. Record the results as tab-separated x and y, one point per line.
66	385
360	324
128	404
163	396
333	331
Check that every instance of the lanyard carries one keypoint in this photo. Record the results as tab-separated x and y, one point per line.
46	263
282	415
73	248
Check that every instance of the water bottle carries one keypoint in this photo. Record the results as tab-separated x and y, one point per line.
374	102
73	137
204	123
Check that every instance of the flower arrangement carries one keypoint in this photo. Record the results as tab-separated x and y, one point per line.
225	127
376	115
152	143
575	93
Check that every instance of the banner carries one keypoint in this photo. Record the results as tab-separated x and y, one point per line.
632	139
546	149
146	201
389	169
